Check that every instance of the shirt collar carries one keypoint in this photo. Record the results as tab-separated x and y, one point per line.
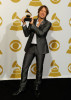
41	21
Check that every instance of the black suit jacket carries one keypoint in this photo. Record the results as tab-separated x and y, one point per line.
40	32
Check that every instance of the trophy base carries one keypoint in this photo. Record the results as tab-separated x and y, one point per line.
28	19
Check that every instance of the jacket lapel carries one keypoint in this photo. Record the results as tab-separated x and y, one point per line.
43	22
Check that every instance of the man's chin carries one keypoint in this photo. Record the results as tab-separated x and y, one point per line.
42	17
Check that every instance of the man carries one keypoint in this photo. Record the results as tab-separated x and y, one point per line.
36	47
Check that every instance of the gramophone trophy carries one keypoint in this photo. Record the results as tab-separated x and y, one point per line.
28	16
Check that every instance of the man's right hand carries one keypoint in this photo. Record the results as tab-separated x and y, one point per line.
23	20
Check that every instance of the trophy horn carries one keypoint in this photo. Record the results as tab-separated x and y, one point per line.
27	11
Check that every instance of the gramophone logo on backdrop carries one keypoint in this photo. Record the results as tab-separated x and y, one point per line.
35	3
56	24
69	5
1	21
0	2
69	67
54	45
33	68
69	50
35	17
15	45
55	70
70	22
1	69
55	1
16	24
17	70
1	52
15	1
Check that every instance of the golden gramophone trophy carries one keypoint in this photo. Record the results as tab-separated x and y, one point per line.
16	24
28	15
56	24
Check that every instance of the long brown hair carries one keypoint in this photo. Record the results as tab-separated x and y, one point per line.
43	6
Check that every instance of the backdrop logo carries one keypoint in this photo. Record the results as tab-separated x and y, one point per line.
15	45
16	71
55	70
1	52
35	17
54	45
69	50
69	67
15	1
16	24
1	21
55	1
0	2
69	5
70	22
1	69
33	68
56	24
35	3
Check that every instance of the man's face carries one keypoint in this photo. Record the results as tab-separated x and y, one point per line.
42	13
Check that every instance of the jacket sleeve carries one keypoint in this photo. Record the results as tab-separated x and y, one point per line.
41	32
26	30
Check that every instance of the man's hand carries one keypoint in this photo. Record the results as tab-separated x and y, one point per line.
32	20
23	20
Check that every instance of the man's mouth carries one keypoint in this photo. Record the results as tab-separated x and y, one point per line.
42	14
